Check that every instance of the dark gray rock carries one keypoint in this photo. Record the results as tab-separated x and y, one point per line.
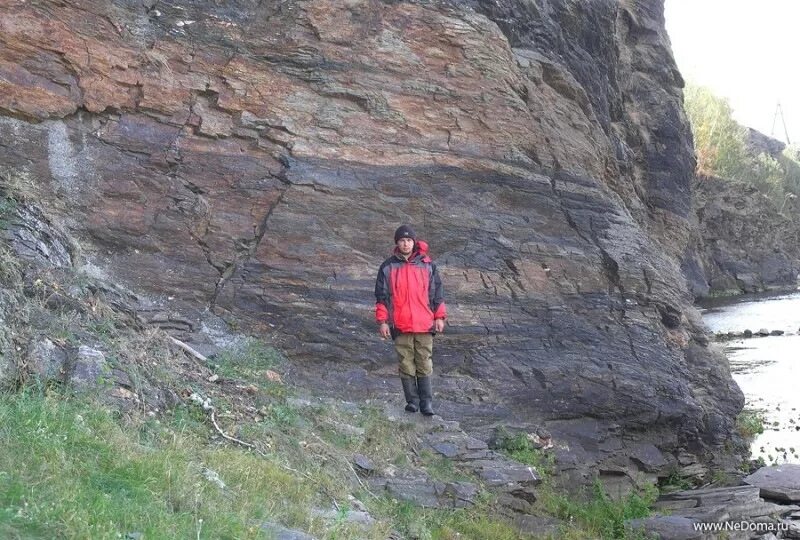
667	528
779	482
539	527
363	462
279	532
461	493
418	488
759	143
419	491
715	496
741	243
648	457
351	516
446	449
503	472
723	505
46	360
792	529
509	502
35	238
88	369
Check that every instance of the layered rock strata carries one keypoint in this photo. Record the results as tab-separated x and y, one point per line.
252	159
743	243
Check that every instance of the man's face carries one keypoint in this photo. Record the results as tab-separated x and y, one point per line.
405	246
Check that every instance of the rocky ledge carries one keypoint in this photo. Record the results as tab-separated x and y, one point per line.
765	506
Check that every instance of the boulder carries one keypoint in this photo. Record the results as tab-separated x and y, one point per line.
88	370
666	528
777	482
46	360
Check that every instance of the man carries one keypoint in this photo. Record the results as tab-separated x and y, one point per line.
410	298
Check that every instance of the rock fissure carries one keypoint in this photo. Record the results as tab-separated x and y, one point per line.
250	246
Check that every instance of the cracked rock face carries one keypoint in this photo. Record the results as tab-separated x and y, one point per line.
255	158
744	242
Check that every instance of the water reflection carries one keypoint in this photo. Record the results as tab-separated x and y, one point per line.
766	368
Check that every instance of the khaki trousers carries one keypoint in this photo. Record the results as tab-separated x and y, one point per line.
415	353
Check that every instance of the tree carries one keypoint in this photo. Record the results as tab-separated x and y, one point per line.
718	139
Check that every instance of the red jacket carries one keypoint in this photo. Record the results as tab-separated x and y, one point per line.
409	294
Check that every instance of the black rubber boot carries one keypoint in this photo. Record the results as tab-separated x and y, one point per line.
410	390
425	396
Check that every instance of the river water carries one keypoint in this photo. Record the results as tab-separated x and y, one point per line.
766	368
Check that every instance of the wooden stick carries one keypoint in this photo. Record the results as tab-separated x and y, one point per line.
232	439
188	349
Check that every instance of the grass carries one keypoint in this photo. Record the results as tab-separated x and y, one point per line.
432	524
7	208
520	448
592	514
750	423
74	469
600	516
248	359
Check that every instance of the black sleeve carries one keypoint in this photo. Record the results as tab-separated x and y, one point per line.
435	289
382	293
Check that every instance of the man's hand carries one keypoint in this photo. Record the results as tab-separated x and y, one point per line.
438	325
383	330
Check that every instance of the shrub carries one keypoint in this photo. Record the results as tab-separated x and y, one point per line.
721	150
750	423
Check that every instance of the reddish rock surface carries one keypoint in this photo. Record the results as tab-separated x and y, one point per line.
253	159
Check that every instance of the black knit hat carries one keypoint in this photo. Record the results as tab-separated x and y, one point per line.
404	231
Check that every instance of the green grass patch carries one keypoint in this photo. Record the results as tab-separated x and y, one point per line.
596	514
73	469
592	514
248	356
478	522
249	360
520	448
750	423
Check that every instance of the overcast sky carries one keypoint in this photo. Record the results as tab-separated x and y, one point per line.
745	51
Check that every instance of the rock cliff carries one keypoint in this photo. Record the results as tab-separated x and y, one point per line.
743	243
250	160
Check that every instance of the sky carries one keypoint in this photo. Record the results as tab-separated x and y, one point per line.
744	51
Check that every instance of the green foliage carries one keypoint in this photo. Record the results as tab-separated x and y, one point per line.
520	448
750	423
248	359
600	515
72	469
718	138
721	149
675	482
478	522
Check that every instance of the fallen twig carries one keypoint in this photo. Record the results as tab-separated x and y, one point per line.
211	410
188	349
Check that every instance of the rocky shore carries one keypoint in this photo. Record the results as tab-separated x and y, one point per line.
764	506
